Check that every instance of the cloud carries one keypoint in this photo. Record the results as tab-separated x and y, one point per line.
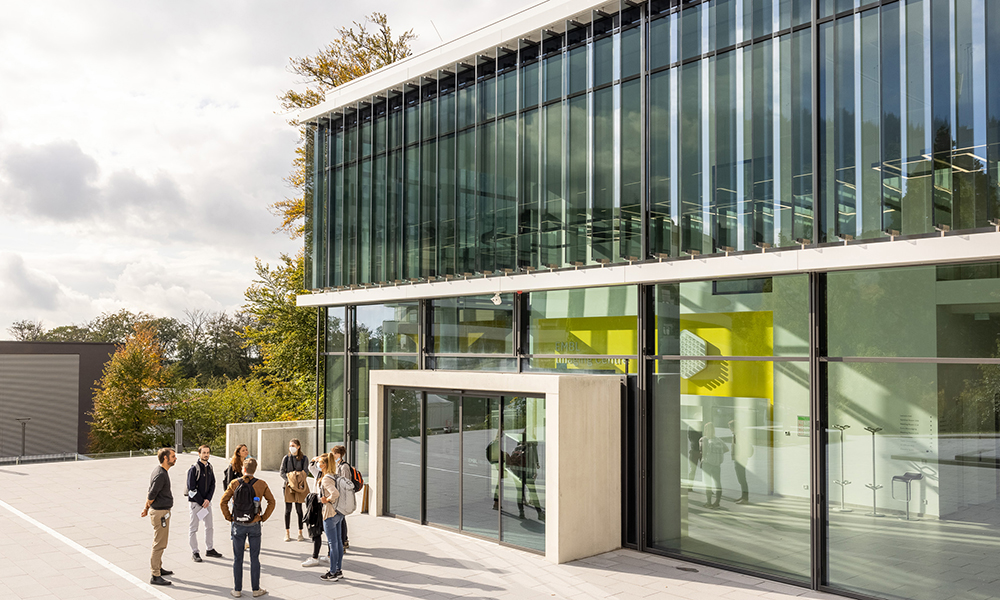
25	289
54	181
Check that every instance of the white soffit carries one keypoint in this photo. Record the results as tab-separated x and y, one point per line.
508	29
898	253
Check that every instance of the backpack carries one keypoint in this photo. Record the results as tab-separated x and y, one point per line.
245	508
347	503
356	478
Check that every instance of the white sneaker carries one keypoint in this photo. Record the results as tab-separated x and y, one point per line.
311	562
288	538
325	559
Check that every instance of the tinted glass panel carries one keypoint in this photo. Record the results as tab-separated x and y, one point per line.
926	438
474	324
403	453
951	311
730	463
594	321
444	478
480	466
522	450
736	317
387	327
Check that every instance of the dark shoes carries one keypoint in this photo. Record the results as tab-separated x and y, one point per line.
213	554
159	580
197	557
164	572
328	576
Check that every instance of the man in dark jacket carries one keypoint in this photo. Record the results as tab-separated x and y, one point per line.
201	486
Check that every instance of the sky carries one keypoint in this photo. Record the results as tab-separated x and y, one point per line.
141	144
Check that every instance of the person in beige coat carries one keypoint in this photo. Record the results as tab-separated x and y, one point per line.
334	471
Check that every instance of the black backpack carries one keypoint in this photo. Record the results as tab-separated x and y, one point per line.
244	507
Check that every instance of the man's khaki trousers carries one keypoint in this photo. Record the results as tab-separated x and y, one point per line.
160	534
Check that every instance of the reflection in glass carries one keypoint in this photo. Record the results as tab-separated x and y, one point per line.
334	399
765	316
366	364
471	363
441	422
474	324
936	441
600	321
403	454
947	312
522	456
730	463
480	466
335	328
387	327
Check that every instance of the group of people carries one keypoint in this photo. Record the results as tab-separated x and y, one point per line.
248	502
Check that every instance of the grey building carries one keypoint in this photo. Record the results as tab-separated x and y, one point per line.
51	383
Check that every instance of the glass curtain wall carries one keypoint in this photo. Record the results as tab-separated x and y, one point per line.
592	330
729	423
334	371
914	431
385	336
472	333
544	157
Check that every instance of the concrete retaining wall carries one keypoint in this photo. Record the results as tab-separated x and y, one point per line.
248	433
272	444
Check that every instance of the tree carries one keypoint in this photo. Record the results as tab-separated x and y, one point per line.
123	416
284	332
27	331
68	333
211	347
355	52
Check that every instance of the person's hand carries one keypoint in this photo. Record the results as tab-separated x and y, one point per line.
145	512
205	504
323	500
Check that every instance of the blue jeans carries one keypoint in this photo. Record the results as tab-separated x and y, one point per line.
240	533
332	528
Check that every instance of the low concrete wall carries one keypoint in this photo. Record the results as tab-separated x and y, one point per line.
247	433
582	449
272	444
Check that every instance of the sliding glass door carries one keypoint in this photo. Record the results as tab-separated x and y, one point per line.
473	463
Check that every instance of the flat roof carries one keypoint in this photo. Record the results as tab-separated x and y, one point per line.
521	24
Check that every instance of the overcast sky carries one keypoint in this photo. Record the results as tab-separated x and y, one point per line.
140	144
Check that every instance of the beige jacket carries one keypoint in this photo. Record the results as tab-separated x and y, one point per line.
330	491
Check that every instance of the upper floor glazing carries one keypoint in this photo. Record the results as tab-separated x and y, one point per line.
664	129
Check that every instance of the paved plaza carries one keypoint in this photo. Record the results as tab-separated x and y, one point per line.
72	530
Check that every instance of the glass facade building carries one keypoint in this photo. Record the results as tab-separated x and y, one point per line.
777	218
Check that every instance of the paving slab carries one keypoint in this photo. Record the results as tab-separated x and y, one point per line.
73	530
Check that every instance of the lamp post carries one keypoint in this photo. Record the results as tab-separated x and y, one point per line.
24	425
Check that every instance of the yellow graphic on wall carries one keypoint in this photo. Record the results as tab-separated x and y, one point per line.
731	334
598	336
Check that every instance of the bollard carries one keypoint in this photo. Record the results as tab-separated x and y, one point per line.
178	435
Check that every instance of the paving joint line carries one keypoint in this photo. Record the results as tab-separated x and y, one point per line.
89	554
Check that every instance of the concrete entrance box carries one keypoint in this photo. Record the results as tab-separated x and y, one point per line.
582	449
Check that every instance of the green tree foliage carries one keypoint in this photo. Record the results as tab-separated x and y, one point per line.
247	399
211	348
123	415
27	331
357	50
284	333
